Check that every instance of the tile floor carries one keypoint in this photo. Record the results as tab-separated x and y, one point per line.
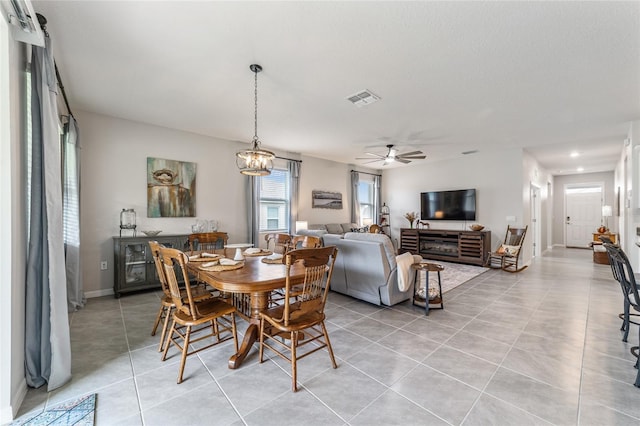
539	347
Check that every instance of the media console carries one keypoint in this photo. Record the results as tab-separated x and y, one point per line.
470	247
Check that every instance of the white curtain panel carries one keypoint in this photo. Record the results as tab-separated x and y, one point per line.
71	200
355	202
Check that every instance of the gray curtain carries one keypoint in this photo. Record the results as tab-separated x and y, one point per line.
47	343
71	200
377	194
355	203
253	203
294	173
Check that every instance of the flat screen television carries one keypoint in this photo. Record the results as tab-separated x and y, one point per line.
448	205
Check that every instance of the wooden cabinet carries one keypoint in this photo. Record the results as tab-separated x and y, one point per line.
134	266
471	247
408	240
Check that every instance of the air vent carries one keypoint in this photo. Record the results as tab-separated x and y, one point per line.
23	27
362	98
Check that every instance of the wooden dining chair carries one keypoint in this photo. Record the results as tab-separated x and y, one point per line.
194	321
301	321
305	241
208	241
280	242
199	292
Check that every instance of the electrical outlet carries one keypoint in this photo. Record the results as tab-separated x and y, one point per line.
103	265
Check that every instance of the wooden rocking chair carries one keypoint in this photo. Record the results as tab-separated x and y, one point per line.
507	256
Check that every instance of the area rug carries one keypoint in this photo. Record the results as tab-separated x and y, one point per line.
78	412
453	275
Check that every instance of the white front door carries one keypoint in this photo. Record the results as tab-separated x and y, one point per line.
583	216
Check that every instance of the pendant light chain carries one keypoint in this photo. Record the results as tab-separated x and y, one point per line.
255	106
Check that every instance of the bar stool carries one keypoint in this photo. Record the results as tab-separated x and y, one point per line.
420	299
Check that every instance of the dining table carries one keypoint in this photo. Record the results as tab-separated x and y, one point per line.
249	288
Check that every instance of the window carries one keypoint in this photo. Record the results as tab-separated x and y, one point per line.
367	202
275	197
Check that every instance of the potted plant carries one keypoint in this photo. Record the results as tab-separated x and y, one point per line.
411	217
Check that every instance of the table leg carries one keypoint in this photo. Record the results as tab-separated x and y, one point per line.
250	337
426	292
259	302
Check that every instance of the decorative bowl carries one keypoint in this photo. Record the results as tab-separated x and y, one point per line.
476	227
152	233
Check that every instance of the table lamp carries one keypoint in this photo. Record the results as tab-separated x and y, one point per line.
301	225
607	212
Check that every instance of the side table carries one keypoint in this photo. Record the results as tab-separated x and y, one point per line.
420	299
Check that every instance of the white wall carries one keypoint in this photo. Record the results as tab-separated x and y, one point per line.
534	174
325	175
113	173
558	210
496	176
113	176
632	184
12	226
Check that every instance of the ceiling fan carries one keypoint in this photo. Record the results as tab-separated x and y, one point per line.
392	155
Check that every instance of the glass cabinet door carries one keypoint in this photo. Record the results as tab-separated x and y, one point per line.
135	263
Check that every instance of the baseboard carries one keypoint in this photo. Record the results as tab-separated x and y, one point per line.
7	414
98	293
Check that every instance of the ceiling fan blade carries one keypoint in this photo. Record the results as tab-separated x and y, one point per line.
402	160
375	155
371	161
405	154
412	157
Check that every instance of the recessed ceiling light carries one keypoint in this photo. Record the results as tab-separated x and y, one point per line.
580	169
574	154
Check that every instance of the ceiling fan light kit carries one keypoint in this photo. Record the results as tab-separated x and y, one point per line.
255	161
392	156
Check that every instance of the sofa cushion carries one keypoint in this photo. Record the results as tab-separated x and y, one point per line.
389	250
347	227
317	226
334	228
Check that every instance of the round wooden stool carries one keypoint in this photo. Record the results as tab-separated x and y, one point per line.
424	299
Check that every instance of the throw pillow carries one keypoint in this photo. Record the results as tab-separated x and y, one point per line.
511	250
334	228
360	230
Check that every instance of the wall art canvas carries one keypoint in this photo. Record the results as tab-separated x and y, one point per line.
326	200
171	188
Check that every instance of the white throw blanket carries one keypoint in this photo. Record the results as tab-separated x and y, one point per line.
404	261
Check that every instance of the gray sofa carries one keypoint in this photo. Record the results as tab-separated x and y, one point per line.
320	230
366	268
332	228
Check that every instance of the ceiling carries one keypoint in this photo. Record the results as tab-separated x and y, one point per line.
549	77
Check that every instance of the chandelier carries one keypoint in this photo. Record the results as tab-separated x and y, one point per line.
255	161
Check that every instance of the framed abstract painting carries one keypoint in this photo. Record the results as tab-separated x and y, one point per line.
171	188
